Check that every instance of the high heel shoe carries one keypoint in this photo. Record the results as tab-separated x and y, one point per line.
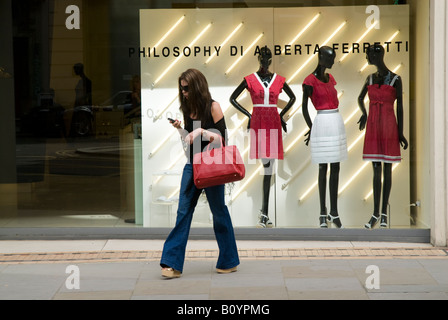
323	219
335	219
264	221
372	222
383	222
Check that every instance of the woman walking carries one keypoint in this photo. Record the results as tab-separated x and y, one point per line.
204	124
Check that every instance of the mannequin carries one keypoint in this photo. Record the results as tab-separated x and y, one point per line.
384	133
265	124
327	135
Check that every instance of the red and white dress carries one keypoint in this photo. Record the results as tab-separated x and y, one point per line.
328	138
266	127
381	142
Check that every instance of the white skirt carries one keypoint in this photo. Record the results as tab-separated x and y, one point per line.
328	138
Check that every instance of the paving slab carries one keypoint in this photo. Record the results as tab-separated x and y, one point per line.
277	271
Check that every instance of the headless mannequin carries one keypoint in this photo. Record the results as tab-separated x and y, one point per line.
383	76
326	60
264	59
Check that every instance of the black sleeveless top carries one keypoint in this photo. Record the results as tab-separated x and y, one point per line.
198	145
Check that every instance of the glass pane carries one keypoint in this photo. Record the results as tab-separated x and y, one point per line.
88	87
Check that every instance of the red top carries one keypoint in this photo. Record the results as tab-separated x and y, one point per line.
325	95
261	94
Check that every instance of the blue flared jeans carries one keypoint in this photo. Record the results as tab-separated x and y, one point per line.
173	254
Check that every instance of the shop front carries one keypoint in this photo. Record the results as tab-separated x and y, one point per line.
89	88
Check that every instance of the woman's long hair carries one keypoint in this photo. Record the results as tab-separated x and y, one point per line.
199	99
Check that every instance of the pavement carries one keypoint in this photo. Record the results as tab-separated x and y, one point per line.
269	271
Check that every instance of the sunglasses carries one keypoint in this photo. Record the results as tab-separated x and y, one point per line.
183	88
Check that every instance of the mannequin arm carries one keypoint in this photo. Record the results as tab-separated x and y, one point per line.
363	120
292	100
235	103
399	87
307	92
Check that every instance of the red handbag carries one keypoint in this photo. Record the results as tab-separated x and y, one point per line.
218	166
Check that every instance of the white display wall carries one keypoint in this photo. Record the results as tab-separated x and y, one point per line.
221	43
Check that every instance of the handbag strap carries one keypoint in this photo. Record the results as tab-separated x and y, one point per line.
222	144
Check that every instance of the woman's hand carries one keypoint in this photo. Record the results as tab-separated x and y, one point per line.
177	124
193	135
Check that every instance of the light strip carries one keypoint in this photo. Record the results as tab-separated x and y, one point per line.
181	154
181	55
161	112
308	191
246	183
225	41
349	118
303	30
359	40
397	67
353	177
384	45
176	191
382	180
161	144
299	136
169	31
334	33
356	141
245	52
235	130
301	68
302	167
311	58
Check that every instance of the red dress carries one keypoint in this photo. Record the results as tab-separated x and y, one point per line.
266	127
382	141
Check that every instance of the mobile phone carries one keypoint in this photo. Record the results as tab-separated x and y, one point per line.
171	120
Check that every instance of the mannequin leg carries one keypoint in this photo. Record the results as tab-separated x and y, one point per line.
376	187
334	188
322	181
268	165
376	195
387	186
